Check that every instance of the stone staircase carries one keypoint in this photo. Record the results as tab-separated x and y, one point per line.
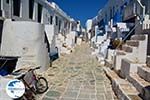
102	51
134	50
131	75
63	47
122	88
144	72
140	84
136	87
100	48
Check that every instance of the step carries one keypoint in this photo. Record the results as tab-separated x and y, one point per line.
120	52
108	63
133	43
144	72
127	48
122	88
118	58
128	67
148	61
138	37
141	85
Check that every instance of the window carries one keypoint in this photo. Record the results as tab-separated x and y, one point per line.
56	20
65	24
1	28
31	6
39	12
16	7
59	26
0	4
51	20
7	1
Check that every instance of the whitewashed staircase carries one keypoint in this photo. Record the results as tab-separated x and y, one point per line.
134	50
133	80
141	81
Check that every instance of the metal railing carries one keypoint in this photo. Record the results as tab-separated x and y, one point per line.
140	12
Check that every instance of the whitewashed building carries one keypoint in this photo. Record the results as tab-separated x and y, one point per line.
89	28
29	31
116	20
127	65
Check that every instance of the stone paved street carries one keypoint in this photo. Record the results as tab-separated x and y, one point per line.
78	76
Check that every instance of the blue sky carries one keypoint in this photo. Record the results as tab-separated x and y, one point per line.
81	9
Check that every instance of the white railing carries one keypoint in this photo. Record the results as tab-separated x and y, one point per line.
146	23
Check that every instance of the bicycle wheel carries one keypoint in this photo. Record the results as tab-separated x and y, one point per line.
41	85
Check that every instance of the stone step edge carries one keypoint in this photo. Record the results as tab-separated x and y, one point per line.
121	52
127	48
118	88
108	63
140	84
138	37
144	73
148	61
134	43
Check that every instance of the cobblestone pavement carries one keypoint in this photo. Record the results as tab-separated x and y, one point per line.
77	76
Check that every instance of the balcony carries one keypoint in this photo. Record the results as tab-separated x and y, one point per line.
132	10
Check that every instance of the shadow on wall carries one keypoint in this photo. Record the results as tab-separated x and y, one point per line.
1	29
53	57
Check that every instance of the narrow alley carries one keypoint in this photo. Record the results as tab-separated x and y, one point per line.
78	76
75	50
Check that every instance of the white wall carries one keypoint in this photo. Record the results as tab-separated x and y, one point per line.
50	32
88	25
25	39
70	40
